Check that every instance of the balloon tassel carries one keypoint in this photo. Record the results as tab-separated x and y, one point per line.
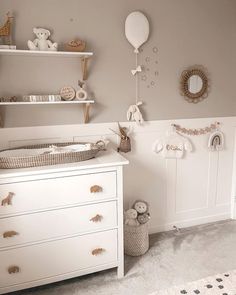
136	80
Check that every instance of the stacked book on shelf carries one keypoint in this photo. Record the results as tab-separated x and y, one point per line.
13	47
41	98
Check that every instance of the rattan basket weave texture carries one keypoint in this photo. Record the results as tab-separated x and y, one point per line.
49	159
136	239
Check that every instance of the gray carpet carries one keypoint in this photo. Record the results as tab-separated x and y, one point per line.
173	259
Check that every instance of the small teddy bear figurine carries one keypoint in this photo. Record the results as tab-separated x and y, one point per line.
41	43
131	217
142	209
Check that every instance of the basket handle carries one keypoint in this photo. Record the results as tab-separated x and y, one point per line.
100	144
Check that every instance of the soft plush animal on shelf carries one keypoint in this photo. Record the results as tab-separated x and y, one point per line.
131	217
134	113
41	43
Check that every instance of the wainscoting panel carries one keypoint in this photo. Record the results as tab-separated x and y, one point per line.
197	189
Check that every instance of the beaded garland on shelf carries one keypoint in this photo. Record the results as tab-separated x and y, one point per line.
199	131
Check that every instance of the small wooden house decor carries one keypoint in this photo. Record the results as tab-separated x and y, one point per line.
6	31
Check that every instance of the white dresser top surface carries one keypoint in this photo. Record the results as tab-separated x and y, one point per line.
103	159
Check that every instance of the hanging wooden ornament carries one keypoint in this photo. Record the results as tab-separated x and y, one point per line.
216	141
81	94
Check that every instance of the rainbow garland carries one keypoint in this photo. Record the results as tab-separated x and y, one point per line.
199	131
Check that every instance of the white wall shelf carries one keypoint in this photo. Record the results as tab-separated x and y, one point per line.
44	53
84	57
86	105
46	102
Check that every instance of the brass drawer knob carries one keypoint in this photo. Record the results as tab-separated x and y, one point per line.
7	201
95	189
10	234
97	218
13	269
98	251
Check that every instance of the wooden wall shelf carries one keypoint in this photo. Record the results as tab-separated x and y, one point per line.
44	53
86	106
46	102
84	57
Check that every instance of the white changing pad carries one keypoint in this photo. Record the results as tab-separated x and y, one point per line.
50	150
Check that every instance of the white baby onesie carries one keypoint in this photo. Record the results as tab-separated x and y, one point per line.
172	146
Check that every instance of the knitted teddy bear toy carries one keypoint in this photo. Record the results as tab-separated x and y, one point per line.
42	43
142	209
131	217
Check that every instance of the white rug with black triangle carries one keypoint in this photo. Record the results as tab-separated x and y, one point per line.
222	284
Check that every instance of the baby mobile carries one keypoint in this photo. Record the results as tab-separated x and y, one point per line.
137	33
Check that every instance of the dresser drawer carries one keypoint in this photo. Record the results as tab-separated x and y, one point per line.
57	223
59	257
56	192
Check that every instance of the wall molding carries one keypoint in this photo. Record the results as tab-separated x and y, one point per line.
197	189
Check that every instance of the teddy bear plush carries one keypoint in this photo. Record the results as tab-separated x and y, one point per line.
42	43
142	209
143	218
131	217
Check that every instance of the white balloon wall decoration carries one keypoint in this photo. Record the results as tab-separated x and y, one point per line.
137	29
137	33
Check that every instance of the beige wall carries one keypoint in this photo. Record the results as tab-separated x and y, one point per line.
186	32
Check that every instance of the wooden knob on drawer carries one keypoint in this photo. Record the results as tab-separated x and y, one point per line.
98	251
97	218
10	234
95	189
13	269
7	201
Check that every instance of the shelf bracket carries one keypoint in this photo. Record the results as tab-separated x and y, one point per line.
86	112
84	66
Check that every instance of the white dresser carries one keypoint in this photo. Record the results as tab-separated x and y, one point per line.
59	222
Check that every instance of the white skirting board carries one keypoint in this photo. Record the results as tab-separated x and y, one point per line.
197	189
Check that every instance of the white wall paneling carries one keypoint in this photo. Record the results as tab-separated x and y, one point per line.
233	193
196	189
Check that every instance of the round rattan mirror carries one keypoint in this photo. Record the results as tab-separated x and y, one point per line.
194	84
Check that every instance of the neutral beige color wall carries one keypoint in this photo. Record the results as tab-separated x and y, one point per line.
186	32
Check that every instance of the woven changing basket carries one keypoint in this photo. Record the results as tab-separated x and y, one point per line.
136	239
50	159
